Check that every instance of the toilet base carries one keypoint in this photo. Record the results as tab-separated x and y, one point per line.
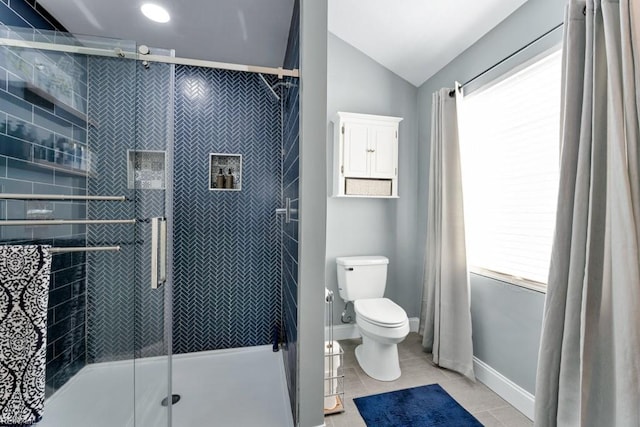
378	360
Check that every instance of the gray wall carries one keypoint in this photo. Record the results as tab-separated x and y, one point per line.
312	215
506	323
358	84
506	320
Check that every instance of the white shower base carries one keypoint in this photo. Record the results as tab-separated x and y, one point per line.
236	387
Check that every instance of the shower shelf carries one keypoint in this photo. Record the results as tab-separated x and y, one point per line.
44	164
55	101
226	163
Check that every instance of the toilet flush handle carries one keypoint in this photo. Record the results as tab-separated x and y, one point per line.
348	268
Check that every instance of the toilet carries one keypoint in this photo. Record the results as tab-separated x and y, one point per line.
382	323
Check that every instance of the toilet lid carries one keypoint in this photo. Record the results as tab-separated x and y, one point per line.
381	312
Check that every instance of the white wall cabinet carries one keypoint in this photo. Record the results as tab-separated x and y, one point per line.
365	155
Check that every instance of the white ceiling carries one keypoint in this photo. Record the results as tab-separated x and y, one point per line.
415	38
252	32
412	38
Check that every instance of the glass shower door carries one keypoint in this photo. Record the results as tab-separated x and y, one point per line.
149	174
78	124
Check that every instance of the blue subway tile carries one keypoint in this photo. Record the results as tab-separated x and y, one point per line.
294	209
30	96
21	170
29	132
17	107
63	310
29	14
15	186
15	148
53	365
52	122
59	294
19	69
291	190
293	172
68	180
62	210
73	118
68	275
80	134
60	261
11	18
3	79
16	209
52	189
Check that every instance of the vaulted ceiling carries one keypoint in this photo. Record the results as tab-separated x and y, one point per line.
412	38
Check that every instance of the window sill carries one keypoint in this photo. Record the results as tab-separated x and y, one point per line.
512	280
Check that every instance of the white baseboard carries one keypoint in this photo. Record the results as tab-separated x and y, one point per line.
350	330
518	397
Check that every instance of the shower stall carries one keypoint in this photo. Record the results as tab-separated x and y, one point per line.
168	289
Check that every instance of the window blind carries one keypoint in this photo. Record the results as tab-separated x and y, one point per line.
509	142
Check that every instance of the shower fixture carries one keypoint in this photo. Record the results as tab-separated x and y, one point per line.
287	85
272	89
273	92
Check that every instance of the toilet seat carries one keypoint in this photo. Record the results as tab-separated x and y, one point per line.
381	312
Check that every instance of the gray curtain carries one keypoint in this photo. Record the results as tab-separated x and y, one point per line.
446	317
589	364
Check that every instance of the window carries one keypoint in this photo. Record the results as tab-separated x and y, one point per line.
510	155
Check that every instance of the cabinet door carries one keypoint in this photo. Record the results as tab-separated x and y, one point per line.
355	150
384	144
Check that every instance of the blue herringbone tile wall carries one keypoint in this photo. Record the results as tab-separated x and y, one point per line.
111	275
154	123
226	243
291	174
131	107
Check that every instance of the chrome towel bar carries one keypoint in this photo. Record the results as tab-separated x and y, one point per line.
84	249
10	196
29	222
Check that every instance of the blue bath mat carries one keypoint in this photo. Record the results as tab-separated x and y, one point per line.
425	406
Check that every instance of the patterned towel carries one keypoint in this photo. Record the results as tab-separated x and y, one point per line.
24	293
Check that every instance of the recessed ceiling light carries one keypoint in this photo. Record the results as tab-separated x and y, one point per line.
155	13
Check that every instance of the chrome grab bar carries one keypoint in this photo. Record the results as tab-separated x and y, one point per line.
84	249
17	196
28	222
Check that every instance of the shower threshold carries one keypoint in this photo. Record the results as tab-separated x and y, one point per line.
239	387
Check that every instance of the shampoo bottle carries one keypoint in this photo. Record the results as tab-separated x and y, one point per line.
220	179
228	180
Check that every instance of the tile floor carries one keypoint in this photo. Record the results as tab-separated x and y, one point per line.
417	369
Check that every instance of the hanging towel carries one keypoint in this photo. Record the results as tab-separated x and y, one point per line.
24	293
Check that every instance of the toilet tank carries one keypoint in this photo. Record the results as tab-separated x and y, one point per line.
361	277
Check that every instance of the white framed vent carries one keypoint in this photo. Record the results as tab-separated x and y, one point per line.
146	169
368	187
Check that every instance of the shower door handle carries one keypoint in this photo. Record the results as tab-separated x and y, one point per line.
158	251
163	251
